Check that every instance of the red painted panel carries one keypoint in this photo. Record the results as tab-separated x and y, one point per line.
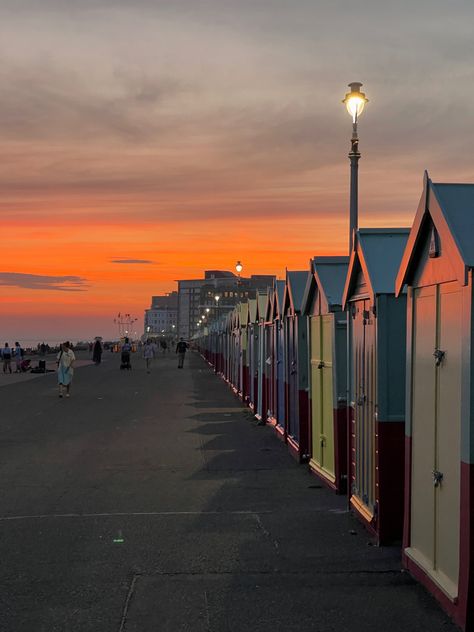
466	569
341	416
303	411
390	471
407	495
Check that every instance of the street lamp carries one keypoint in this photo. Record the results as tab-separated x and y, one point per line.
354	101
238	267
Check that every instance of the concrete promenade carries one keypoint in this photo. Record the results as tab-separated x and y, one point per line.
154	503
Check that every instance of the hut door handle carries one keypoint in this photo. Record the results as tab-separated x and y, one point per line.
439	355
321	365
437	478
323	441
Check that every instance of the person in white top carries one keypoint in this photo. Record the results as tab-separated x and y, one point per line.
65	361
149	349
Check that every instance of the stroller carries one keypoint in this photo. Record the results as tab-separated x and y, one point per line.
125	360
25	366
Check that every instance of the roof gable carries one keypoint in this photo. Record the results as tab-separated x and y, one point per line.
377	252
451	209
294	290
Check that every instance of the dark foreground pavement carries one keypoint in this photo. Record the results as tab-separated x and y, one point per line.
154	503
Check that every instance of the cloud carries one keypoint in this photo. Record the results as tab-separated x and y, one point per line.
147	261
43	282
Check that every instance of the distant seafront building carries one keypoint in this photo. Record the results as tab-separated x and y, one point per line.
162	317
197	295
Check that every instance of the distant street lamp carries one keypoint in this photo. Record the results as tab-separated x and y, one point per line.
354	101
239	268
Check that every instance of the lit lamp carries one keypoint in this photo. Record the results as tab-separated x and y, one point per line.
355	101
238	267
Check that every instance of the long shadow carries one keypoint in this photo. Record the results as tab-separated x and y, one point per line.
283	552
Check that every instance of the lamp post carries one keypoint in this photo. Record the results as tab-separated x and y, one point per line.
239	268
354	101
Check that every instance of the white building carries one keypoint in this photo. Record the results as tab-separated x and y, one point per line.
162	317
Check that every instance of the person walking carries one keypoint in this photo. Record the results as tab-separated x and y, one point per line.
7	358
18	353
97	352
125	355
65	361
148	354
181	349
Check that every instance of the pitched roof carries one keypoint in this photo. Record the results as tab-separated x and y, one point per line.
451	208
331	273
295	287
378	252
279	297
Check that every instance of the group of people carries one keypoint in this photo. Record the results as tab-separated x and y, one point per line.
150	350
8	354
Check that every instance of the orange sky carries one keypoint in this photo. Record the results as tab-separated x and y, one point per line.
192	138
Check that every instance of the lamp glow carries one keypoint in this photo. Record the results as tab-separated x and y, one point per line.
239	267
355	100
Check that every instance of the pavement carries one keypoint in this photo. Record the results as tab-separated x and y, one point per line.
155	503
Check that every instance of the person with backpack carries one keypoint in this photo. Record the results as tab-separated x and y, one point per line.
181	349
18	353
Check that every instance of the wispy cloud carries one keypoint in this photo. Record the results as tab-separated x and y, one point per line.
146	261
43	282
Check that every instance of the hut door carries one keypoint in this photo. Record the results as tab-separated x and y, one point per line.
322	393
261	370
281	373
363	439
293	379
436	414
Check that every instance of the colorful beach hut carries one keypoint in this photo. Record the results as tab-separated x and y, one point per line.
377	339
437	269
322	304
296	336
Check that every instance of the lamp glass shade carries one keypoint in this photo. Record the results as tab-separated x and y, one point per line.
238	267
355	100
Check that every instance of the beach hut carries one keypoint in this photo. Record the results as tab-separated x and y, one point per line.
327	345
269	355
260	409
437	269
296	336
252	337
276	403
377	338
244	367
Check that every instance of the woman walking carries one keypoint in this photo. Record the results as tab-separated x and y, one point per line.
65	361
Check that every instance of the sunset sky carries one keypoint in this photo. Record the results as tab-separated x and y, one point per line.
145	141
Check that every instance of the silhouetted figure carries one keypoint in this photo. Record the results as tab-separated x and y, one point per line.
181	349
97	352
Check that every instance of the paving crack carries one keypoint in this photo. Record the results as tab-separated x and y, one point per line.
128	600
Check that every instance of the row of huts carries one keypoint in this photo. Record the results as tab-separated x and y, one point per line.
363	365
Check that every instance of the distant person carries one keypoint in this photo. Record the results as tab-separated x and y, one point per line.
18	353
181	349
65	361
149	354
97	352
7	358
125	355
163	345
